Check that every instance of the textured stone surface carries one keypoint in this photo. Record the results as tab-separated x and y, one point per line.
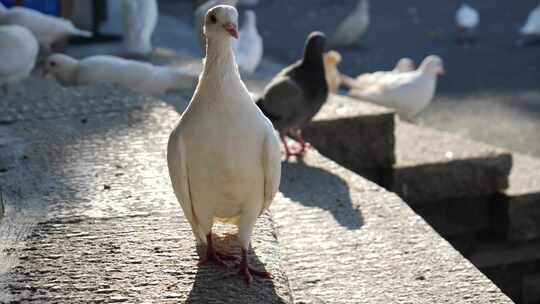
432	166
90	214
522	210
346	240
358	135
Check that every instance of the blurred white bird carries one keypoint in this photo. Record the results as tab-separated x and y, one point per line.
409	92
467	19
47	29
139	76
139	21
249	47
531	29
331	60
198	19
354	26
18	52
223	156
365	80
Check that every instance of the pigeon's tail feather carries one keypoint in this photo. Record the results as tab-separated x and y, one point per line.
81	33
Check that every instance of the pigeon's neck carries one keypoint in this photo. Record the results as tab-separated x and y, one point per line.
220	69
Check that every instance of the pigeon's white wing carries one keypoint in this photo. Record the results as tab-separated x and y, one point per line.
180	181
109	69
272	167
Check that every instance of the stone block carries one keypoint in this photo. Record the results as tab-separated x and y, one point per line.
531	289
357	135
433	166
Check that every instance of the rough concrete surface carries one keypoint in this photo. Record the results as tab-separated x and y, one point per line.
91	216
346	240
522	210
432	166
358	135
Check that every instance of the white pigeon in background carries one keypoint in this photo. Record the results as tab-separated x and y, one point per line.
354	26
18	52
408	93
139	21
532	25
47	29
139	76
363	81
223	156
198	19
467	19
249	47
331	59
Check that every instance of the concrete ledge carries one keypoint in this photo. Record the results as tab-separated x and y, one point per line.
521	211
346	240
432	166
97	220
358	135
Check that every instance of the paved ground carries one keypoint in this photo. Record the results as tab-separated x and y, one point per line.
491	91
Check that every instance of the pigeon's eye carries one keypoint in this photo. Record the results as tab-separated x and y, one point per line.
53	63
213	18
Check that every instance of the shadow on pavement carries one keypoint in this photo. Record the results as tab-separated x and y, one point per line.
315	187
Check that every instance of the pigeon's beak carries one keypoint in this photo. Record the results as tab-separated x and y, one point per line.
44	72
442	71
231	29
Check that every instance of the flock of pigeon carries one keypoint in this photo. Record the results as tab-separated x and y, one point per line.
239	158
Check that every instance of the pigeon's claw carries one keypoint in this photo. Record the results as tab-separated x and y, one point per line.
214	256
246	270
297	135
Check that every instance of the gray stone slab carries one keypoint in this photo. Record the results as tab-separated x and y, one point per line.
531	292
91	216
458	216
357	135
522	210
432	166
346	240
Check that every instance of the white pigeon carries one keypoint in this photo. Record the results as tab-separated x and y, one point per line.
365	80
139	76
200	14
467	17
354	26
223	156
18	50
47	29
532	25
249	47
139	21
409	92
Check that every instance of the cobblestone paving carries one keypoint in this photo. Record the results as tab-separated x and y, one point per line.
90	188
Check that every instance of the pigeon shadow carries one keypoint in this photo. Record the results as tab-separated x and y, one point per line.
218	284
316	187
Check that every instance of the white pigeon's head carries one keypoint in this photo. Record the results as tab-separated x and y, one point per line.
220	22
404	65
432	65
59	66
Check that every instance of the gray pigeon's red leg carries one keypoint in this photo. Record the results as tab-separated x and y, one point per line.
287	150
214	256
248	271
297	135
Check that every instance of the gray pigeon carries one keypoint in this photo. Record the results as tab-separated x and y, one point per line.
297	93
